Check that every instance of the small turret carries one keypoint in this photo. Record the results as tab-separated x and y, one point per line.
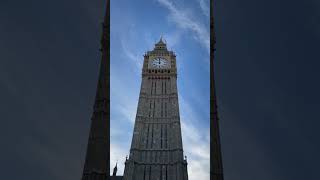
115	170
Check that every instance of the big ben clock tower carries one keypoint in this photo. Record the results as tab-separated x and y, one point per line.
156	149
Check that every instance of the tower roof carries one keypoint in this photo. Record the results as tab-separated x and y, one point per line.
161	45
161	40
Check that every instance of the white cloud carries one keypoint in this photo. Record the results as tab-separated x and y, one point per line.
186	21
205	7
196	142
197	149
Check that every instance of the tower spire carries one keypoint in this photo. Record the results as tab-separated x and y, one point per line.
161	41
97	157
216	168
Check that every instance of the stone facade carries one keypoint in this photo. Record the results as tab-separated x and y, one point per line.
156	150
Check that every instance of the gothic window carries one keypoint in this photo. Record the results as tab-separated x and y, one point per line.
148	136
151	86
150	109
161	108
154	107
152	136
165	109
161	137
161	87
160	172
166	172
165	87
166	136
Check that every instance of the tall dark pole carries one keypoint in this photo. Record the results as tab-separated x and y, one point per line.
216	170
97	158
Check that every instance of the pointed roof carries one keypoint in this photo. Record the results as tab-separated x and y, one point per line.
161	40
161	44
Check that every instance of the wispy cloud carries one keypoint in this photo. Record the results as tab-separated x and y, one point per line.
204	5
132	55
186	21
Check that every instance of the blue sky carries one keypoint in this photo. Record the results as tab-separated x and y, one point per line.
135	27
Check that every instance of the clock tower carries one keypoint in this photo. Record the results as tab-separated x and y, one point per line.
156	149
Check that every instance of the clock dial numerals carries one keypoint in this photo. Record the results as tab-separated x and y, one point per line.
159	63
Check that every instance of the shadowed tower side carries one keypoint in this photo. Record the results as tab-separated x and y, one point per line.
97	165
216	169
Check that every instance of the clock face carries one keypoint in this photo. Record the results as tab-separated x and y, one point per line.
160	63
